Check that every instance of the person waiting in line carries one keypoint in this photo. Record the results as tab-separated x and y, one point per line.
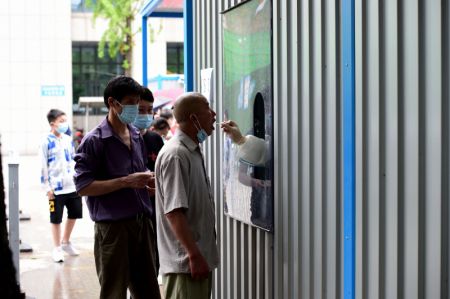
153	143
161	127
57	152
184	204
168	115
111	171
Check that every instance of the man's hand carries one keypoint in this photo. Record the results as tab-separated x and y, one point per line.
139	180
50	195
199	267
232	130
151	185
180	227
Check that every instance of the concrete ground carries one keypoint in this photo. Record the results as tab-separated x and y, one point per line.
40	277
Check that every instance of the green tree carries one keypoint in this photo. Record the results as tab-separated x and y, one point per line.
119	36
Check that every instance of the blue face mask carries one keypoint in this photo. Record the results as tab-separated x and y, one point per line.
62	127
201	133
129	113
143	121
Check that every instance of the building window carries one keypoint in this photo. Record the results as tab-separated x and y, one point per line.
90	74
80	6
175	58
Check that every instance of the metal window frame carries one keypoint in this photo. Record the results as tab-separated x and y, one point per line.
148	11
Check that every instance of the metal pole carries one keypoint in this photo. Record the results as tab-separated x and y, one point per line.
349	172
86	119
13	194
144	52
188	15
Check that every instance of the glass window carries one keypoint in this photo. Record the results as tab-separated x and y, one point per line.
88	54
90	74
80	6
175	58
76	57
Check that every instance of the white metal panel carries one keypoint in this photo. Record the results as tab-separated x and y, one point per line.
389	97
316	146
409	127
402	153
432	56
371	150
446	151
302	258
304	193
402	149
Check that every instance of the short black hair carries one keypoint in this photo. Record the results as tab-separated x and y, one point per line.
147	95
53	114
166	113
120	87
160	124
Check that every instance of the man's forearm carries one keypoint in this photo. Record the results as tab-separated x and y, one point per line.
181	229
97	188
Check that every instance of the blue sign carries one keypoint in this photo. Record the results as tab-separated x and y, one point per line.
52	90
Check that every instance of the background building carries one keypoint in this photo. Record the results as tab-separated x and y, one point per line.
36	71
49	59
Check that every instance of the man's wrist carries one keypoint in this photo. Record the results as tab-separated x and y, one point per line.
122	182
241	140
193	253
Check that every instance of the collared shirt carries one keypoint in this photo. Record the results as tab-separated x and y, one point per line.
181	182
57	164
102	155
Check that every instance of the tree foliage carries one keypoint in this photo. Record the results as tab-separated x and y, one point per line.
119	36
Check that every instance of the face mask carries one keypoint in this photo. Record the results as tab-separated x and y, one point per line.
143	121
129	113
201	134
62	127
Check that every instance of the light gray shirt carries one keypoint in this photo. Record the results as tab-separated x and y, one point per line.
181	182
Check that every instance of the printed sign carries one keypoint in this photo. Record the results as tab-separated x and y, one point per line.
207	88
52	90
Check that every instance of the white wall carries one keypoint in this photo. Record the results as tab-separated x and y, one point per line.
172	31
84	29
35	51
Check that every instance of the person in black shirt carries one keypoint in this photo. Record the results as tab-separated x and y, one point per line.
153	143
162	128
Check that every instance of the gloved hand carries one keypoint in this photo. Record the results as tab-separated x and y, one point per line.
232	130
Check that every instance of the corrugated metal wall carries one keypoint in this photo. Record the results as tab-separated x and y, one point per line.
246	253
402	121
402	114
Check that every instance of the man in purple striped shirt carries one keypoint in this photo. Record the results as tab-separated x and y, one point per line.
111	171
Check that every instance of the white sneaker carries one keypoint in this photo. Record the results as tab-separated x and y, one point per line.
67	247
58	255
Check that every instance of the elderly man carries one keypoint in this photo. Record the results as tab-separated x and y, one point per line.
184	204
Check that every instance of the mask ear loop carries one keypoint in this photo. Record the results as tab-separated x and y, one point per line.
196	120
120	105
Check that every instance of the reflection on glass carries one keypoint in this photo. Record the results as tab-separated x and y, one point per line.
247	100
